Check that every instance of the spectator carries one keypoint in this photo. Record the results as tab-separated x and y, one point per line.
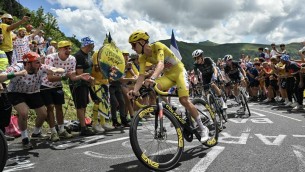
273	50
7	27
52	48
40	42
52	92
28	28
261	53
80	90
24	94
21	43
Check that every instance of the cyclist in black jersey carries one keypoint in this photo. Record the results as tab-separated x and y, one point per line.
235	73
209	72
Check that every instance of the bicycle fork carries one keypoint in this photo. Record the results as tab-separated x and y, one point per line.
162	130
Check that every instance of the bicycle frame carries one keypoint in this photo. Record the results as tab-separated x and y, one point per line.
183	123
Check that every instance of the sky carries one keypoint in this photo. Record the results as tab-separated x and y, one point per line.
193	21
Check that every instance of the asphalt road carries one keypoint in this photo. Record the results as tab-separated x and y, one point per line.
272	139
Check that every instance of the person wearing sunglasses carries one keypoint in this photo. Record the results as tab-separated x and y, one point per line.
173	71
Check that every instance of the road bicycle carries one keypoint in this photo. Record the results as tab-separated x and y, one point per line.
216	105
243	100
3	151
159	142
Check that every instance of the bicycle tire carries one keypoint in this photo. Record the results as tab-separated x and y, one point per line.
213	104
138	140
211	123
225	115
245	102
3	152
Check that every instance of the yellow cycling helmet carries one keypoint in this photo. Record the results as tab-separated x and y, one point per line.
137	35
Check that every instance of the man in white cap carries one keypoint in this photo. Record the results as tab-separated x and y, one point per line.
7	27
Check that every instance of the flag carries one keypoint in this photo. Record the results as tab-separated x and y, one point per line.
174	46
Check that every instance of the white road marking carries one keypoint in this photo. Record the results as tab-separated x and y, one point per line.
229	139
239	121
298	135
277	114
254	120
256	113
22	164
300	156
101	143
107	156
277	141
204	163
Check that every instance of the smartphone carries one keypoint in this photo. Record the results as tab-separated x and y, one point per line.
28	14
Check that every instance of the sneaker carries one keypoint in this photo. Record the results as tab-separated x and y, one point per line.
117	125
266	101
98	128
224	106
288	104
295	104
298	107
26	144
277	98
204	135
9	138
241	110
107	127
54	137
127	125
38	136
87	132
65	134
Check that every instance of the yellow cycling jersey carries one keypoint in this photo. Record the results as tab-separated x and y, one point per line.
160	52
96	73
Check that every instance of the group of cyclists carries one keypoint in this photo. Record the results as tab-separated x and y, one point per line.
36	82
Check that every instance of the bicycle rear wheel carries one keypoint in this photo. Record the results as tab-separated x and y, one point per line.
156	149
3	151
208	118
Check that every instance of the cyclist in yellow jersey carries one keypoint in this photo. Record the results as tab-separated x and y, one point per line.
173	70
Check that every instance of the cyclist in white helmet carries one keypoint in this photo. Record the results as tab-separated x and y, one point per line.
209	72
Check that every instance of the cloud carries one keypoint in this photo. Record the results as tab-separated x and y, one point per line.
219	21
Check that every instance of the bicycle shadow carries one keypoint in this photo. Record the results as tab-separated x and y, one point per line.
136	165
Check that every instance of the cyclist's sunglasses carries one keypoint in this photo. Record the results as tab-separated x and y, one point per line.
133	44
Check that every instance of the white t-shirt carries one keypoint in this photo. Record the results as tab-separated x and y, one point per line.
53	60
25	84
40	43
21	46
273	53
51	49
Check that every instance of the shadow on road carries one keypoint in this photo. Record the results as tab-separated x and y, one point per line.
137	166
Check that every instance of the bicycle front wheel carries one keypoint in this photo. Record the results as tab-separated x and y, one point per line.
216	108
3	151
157	148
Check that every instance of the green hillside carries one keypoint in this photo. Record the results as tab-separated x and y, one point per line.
216	51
